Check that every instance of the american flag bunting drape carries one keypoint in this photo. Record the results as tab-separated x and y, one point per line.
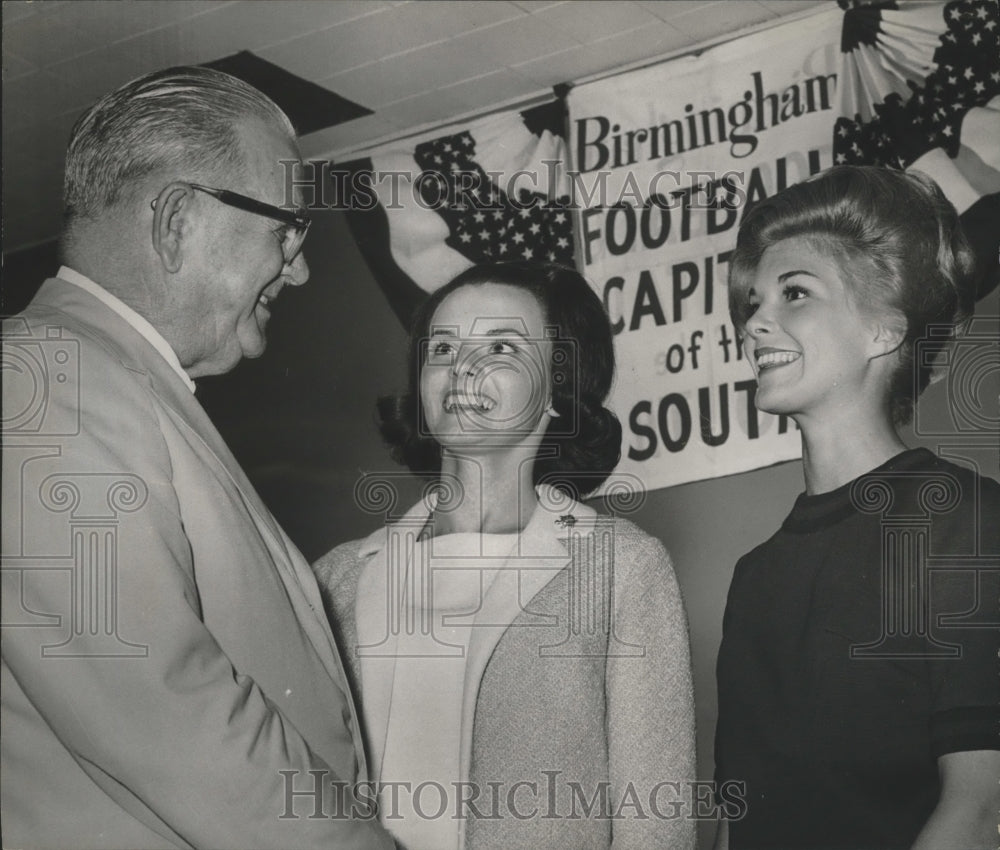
919	88
495	190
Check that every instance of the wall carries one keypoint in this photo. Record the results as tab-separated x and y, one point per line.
300	421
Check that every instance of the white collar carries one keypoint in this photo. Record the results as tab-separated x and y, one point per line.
144	328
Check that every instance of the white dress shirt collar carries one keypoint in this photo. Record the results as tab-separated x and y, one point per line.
148	332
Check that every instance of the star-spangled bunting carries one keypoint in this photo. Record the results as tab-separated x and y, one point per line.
484	223
967	74
494	189
919	89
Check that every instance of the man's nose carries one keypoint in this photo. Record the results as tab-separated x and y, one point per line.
297	270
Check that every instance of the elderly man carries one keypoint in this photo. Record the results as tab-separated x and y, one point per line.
169	678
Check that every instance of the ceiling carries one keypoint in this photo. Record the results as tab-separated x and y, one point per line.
413	64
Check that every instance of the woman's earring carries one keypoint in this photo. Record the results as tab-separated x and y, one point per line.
551	411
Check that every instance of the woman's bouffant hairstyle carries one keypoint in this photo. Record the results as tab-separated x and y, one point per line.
583	443
900	248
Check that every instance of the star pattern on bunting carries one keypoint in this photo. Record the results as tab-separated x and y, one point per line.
966	75
484	223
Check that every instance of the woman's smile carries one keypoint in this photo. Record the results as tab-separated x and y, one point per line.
457	399
769	358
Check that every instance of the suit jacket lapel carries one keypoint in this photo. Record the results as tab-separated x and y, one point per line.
137	355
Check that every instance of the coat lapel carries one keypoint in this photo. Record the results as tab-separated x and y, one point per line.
541	554
385	554
137	355
86	313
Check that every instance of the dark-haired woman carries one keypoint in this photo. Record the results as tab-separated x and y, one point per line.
858	672
522	663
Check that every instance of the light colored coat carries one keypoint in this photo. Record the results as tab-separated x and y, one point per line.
586	685
165	653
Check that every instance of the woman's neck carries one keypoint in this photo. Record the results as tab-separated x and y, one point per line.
837	450
497	494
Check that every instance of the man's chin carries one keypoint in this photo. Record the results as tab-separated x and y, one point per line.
221	365
253	340
256	351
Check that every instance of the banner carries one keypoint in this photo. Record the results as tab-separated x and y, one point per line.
666	161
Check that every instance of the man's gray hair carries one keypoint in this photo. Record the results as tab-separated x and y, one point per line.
183	120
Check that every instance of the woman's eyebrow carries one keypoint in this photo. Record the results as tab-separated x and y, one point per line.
451	332
785	275
504	331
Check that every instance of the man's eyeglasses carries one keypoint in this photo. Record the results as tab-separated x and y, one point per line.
296	221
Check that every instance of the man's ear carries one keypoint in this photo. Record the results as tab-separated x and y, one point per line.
170	224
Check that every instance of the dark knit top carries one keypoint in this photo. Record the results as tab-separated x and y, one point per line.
860	643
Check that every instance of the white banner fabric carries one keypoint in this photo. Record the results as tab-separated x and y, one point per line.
665	162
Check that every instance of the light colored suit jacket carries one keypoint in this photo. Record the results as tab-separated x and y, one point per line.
584	690
168	674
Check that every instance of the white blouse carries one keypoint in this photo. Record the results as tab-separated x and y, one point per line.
415	614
